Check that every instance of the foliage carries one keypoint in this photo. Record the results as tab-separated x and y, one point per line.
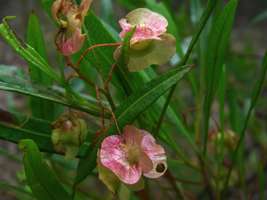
203	125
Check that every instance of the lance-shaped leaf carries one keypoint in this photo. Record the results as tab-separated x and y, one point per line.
8	82
13	133
15	127
218	41
129	110
256	92
26	51
39	108
44	185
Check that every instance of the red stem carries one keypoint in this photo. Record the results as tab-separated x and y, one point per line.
95	46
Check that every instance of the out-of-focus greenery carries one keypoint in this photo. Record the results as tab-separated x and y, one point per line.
212	124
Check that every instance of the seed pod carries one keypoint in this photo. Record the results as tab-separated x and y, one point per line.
69	133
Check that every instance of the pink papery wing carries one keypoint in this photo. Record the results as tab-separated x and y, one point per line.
156	153
149	25
156	22
132	135
126	27
113	157
71	45
141	33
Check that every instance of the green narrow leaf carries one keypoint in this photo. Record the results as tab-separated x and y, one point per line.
42	180
35	38
40	108
129	110
143	98
254	99
53	95
221	95
261	181
26	51
16	132
218	41
26	122
235	115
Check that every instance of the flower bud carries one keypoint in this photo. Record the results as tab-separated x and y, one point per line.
69	133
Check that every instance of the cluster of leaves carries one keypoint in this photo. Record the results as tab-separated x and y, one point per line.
139	98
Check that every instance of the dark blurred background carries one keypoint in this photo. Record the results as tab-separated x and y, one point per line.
250	31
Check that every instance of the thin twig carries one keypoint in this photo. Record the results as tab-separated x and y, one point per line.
89	82
101	106
106	84
95	46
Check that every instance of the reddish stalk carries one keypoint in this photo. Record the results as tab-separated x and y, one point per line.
106	84
96	46
101	106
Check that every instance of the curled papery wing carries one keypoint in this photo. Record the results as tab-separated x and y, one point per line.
141	33
61	7
55	8
113	157
147	18
157	52
125	26
149	25
72	44
156	154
